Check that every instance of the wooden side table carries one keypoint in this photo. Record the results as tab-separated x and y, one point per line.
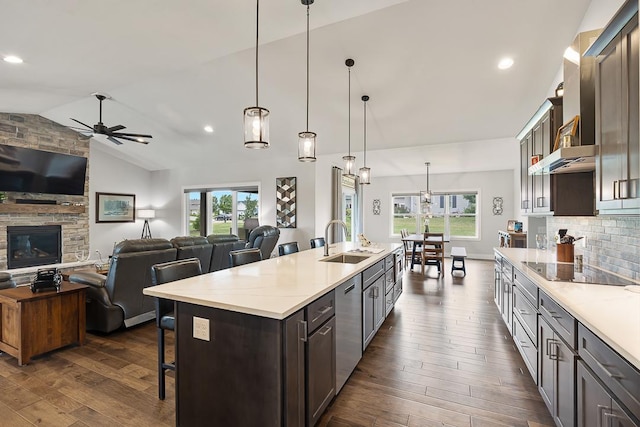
36	323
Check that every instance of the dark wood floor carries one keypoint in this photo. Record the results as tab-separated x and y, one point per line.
442	358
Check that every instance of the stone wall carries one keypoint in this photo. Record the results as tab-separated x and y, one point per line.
32	131
613	242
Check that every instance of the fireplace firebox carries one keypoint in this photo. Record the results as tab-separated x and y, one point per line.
29	246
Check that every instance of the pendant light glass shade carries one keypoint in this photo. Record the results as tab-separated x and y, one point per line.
256	127
349	160
256	119
365	172
306	139
426	195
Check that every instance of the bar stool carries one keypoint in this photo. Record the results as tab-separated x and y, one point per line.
317	242
288	248
244	256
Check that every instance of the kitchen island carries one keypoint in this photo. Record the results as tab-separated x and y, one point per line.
256	344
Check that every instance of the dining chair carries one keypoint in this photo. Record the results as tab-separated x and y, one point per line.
317	242
244	256
165	319
288	248
433	251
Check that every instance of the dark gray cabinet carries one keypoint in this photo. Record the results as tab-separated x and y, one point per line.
373	303
526	150
542	142
321	370
596	407
294	353
617	121
556	374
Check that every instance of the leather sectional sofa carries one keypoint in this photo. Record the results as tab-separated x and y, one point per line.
116	300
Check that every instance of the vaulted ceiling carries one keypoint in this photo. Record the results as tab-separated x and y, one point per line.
429	66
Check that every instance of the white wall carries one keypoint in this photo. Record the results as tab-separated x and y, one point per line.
108	174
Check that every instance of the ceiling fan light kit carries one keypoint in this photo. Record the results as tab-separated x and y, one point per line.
101	131
306	139
256	119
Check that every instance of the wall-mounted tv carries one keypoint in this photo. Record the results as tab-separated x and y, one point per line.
26	170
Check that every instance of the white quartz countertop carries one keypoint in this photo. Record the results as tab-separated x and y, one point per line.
274	288
611	312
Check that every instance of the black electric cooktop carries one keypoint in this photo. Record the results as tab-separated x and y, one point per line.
566	272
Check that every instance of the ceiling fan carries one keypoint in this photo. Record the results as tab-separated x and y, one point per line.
112	133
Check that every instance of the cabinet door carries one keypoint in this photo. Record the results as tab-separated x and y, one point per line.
593	399
525	158
632	185
379	303
609	125
564	380
540	183
545	363
368	322
618	418
294	350
321	370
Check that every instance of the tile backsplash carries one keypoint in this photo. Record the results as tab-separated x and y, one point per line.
612	242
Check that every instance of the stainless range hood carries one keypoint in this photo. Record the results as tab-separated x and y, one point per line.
567	160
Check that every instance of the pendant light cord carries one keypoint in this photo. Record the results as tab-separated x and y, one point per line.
349	115
307	68
257	44
365	134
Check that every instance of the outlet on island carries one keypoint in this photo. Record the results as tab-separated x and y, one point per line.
201	328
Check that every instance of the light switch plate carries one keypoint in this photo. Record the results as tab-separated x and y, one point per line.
201	328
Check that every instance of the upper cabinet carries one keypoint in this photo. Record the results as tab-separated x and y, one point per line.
617	113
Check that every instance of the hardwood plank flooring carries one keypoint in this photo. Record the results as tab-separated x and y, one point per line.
443	357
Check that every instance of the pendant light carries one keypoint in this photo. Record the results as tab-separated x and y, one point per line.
256	119
306	139
365	172
349	160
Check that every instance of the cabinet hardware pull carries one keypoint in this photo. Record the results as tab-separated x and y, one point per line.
523	312
616	190
322	312
304	336
601	409
622	189
327	330
555	356
350	288
547	345
523	344
606	371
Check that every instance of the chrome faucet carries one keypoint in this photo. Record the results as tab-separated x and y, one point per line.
326	233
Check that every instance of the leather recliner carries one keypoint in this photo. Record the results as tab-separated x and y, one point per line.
194	247
264	237
222	245
116	299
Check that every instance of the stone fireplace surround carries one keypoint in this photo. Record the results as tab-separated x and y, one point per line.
33	131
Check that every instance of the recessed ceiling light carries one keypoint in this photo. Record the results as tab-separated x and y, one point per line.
208	129
13	59
505	63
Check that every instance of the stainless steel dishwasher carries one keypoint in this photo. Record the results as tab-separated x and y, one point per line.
348	328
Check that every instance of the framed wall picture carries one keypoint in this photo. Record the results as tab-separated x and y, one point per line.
569	129
286	202
114	207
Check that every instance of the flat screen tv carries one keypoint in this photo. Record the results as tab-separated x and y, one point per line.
26	170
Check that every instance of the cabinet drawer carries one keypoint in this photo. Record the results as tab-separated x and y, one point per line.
616	373
526	347
397	289
372	273
388	299
388	262
559	319
526	313
390	280
528	288
319	311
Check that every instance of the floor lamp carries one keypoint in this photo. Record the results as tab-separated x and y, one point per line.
146	214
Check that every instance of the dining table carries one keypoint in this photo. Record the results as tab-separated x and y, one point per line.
418	239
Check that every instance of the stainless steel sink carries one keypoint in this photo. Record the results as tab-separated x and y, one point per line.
345	258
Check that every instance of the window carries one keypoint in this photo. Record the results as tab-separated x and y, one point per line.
454	214
223	210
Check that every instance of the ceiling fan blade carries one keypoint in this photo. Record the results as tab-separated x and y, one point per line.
83	124
139	135
116	128
128	138
115	141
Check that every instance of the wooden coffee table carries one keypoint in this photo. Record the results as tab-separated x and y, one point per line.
35	323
